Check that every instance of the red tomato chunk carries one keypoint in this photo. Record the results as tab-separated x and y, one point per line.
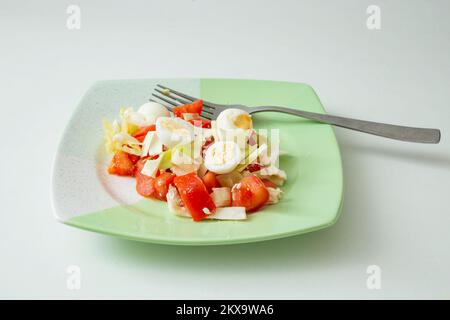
145	185
194	195
210	181
142	132
194	107
250	193
122	165
162	183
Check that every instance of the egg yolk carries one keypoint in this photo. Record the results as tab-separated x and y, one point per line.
243	121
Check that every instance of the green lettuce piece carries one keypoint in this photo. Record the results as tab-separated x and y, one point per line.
166	160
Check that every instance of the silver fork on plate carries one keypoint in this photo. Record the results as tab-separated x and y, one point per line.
211	111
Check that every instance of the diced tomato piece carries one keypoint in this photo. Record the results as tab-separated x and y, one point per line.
178	111
250	193
269	184
194	195
253	138
162	183
206	124
140	164
194	107
142	132
196	122
134	158
145	185
121	164
210	181
206	145
254	167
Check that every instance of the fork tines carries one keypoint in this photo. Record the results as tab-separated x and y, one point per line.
172	98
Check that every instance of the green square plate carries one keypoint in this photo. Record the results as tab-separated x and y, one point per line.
85	196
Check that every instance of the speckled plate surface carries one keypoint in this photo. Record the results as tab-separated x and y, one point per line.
85	196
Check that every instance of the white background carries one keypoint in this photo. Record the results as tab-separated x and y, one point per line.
396	212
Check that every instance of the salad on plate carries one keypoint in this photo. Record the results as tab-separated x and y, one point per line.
220	169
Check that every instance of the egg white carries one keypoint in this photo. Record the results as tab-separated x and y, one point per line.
222	157
152	111
173	131
226	119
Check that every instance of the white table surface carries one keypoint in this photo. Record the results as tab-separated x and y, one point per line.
396	213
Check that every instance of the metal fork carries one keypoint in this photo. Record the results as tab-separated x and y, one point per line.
211	111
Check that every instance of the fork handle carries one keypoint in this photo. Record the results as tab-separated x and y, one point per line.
411	134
